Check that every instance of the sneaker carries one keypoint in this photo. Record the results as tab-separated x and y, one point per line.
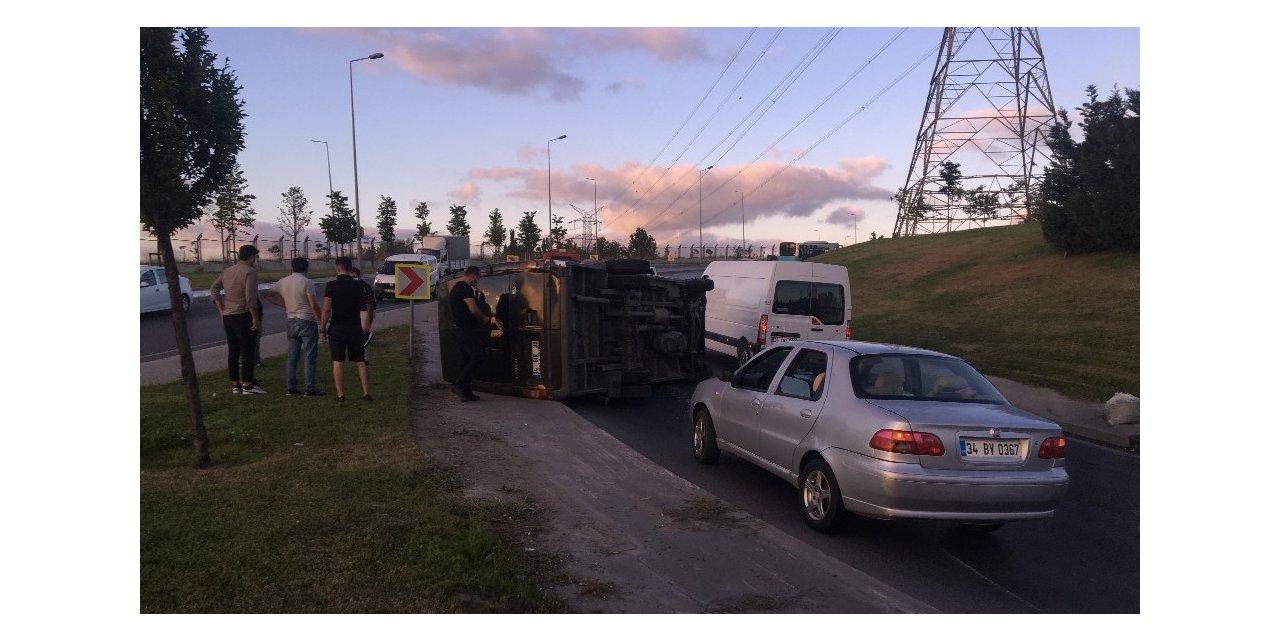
367	397
341	398
313	393
235	389
252	390
292	392
471	397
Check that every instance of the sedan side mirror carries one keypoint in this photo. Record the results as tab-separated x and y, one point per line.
725	375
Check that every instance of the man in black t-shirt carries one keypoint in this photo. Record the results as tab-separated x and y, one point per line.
473	329
340	325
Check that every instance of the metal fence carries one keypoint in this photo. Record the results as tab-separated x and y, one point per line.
201	250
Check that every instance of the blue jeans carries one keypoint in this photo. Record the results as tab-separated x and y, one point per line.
304	336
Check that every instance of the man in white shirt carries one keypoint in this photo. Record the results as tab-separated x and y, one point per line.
296	294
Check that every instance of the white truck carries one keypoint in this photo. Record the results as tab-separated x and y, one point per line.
452	253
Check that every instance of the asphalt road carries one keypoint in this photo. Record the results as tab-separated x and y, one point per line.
205	327
1083	560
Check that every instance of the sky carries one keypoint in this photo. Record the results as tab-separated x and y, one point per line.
809	130
423	129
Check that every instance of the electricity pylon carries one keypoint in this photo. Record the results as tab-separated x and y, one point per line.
589	231
988	115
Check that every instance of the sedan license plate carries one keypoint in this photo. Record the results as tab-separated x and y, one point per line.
988	450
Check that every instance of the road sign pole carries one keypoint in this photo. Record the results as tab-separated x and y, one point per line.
412	324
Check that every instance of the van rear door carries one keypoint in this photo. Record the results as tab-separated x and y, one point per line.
806	310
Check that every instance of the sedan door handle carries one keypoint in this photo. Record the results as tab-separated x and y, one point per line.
756	403
805	413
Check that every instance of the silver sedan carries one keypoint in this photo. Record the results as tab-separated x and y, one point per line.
883	431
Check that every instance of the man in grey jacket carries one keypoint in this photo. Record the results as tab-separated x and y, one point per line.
240	318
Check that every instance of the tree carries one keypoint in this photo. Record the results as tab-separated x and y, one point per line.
558	232
274	250
387	220
339	227
608	249
294	217
528	234
232	211
981	203
1089	197
190	134
642	245
458	221
496	234
424	228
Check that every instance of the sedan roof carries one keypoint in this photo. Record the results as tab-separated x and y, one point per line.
872	348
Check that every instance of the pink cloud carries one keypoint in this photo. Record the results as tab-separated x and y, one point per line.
467	192
667	205
527	61
846	216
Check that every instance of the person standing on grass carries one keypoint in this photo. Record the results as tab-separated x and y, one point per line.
240	318
472	324
340	325
296	294
366	311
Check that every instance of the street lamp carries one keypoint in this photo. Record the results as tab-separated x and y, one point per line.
328	165
742	199
354	164
549	222
701	249
595	211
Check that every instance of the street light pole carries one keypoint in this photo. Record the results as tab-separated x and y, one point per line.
354	164
595	211
550	224
702	250
328	165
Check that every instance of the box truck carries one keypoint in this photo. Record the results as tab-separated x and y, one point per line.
452	253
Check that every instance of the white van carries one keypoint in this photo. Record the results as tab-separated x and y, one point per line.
758	303
384	282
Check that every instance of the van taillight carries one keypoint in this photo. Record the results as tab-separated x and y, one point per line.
914	442
762	335
1053	448
848	330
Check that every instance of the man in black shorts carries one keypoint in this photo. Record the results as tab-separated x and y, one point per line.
473	330
340	325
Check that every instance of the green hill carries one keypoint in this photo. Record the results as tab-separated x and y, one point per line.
1006	301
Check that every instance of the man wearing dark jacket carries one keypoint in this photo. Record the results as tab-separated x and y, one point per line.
473	329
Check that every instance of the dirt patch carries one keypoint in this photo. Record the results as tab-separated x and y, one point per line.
703	514
752	604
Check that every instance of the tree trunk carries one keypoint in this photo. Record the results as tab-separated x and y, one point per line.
190	383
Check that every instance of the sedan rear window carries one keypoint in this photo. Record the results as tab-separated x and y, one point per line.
921	377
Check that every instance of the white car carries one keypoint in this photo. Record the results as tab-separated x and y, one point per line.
155	290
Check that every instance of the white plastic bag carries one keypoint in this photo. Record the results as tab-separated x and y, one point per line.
1122	408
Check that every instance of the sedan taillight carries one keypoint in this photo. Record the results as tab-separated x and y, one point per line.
913	442
1053	448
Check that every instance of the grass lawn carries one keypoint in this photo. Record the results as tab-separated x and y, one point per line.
312	505
1005	300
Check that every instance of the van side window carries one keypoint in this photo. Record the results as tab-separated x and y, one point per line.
758	373
148	278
